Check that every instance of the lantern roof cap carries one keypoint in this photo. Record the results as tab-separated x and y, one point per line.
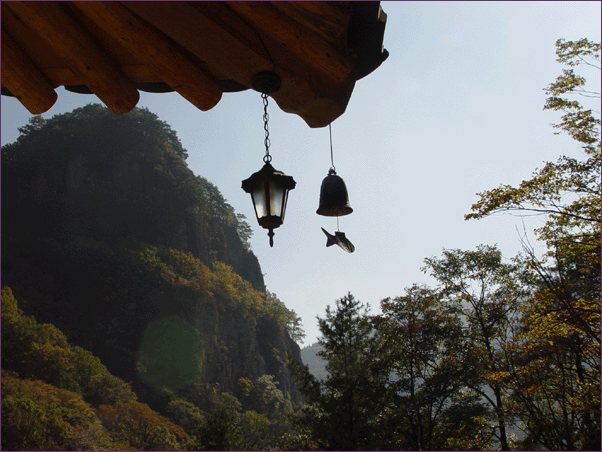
268	172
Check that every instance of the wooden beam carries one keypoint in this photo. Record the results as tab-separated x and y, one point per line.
305	44
165	57
52	22
23	79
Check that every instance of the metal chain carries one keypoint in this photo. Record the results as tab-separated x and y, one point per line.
267	158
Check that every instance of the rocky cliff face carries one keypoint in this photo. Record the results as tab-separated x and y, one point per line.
108	235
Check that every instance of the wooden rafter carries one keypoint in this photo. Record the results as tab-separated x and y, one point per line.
51	22
21	76
166	58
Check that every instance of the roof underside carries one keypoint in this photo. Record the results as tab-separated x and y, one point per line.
199	49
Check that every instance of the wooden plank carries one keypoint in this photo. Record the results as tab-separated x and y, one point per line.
64	76
165	57
37	49
324	19
305	44
216	34
239	44
51	22
304	92
187	25
23	79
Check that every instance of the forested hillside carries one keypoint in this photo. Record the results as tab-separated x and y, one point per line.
108	235
57	396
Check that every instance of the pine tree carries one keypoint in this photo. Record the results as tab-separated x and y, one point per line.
343	410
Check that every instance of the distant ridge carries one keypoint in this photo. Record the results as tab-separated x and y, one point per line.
317	366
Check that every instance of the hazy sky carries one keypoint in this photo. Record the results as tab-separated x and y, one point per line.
455	110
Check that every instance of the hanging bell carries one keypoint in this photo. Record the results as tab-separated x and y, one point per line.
334	200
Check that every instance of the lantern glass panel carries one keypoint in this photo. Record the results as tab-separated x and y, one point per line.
284	203
276	198
259	201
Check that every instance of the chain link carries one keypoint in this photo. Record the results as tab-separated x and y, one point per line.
267	158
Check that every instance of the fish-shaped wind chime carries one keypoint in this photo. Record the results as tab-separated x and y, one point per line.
334	202
339	239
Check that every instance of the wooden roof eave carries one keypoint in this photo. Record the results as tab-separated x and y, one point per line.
195	48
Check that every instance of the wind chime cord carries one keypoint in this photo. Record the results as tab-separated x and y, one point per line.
333	167
331	155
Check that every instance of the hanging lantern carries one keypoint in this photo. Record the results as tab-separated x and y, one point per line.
269	191
268	187
334	200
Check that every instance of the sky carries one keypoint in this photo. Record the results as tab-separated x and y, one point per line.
455	110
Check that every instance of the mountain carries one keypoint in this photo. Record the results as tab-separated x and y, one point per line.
316	365
109	236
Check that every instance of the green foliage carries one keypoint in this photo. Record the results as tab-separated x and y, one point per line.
27	426
423	347
58	413
485	293
582	125
220	433
39	416
264	397
41	351
287	319
343	412
144	429
553	380
185	414
567	191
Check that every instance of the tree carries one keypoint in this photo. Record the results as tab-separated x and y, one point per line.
264	397
556	378
220	433
39	416
287	319
554	381
429	407
135	423
342	410
485	294
581	124
568	191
